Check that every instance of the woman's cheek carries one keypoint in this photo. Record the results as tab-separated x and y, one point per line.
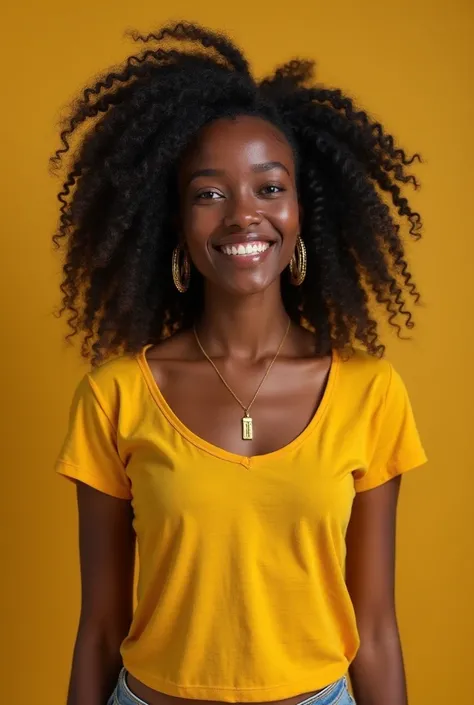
197	235
285	219
286	211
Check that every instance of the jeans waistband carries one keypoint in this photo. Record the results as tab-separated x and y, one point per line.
329	696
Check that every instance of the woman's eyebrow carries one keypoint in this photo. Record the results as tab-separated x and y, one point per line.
268	166
205	172
264	166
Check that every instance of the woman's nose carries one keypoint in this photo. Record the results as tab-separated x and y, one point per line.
242	213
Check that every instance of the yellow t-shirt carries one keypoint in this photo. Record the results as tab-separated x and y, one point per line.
241	590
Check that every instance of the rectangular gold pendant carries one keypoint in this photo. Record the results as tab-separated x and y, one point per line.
247	428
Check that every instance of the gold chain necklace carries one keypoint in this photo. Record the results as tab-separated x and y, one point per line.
247	422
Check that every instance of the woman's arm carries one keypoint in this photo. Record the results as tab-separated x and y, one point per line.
377	674
107	555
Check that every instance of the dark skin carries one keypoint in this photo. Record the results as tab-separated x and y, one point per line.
237	184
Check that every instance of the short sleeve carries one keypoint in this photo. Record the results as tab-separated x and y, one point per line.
394	446
89	452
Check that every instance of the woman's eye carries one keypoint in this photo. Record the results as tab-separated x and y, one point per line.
271	190
208	196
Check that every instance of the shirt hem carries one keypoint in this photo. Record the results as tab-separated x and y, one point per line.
363	485
75	474
257	694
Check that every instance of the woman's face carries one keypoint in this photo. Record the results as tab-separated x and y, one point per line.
239	205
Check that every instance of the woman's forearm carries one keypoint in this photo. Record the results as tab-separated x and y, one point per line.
95	667
378	674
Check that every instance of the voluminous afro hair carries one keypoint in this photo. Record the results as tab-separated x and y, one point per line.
119	199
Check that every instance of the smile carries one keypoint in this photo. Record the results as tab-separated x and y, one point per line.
253	248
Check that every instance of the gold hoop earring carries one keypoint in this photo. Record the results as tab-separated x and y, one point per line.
181	274
298	263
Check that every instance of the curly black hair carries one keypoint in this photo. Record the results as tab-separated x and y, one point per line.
120	198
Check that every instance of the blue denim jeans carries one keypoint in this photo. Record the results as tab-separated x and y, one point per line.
335	694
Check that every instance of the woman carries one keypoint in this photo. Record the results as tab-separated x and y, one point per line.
228	238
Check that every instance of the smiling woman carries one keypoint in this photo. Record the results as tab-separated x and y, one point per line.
240	215
224	238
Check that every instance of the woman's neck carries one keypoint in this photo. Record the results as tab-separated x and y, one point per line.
247	327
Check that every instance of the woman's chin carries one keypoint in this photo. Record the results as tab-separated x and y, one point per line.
247	283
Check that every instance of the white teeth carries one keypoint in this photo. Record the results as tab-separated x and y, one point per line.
249	249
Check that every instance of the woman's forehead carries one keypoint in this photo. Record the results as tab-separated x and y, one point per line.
244	139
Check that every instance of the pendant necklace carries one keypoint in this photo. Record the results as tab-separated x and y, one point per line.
247	421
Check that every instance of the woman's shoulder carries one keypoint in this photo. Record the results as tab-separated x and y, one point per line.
373	382
117	381
180	347
115	368
361	369
125	372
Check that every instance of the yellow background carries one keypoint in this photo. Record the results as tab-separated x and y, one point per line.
411	64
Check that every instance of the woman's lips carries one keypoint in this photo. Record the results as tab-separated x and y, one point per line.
243	249
245	254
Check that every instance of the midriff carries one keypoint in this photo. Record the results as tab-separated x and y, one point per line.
153	697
